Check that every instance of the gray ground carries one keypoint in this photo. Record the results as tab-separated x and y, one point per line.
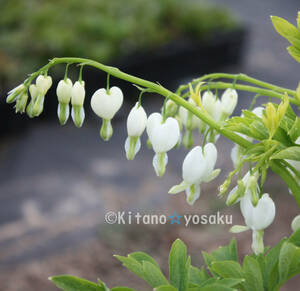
57	183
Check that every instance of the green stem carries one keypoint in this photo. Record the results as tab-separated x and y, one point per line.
261	91
239	77
155	88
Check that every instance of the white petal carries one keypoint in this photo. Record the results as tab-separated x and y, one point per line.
136	121
154	119
63	91
78	93
229	101
192	193
136	148
107	105
258	111
159	168
164	136
194	166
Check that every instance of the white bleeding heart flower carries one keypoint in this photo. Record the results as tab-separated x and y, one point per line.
77	100
198	166
163	135
212	105
43	84
106	104
64	93
136	124
229	101
295	225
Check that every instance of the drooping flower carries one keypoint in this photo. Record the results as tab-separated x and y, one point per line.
64	92
106	103
15	93
163	135
212	105
77	100
198	166
43	84
229	101
136	124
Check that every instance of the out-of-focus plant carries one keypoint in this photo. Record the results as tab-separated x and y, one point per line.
31	31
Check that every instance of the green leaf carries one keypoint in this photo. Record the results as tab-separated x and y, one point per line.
294	132
289	259
198	276
230	282
284	28
291	153
153	275
72	283
166	288
177	265
122	289
141	256
295	238
132	265
253	275
226	253
228	269
294	52
216	287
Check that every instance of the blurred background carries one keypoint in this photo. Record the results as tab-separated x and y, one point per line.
57	183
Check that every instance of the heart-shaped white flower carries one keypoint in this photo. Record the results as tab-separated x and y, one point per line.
260	216
106	105
43	84
163	136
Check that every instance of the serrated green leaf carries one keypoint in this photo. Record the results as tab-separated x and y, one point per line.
253	275
289	259
177	265
153	275
284	28
72	283
290	153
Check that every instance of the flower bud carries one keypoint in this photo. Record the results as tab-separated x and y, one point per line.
106	104
78	94
171	108
15	93
212	105
136	121
229	101
296	223
34	93
21	103
64	91
258	111
43	84
236	193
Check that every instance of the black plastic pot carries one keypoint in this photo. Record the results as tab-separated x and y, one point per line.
167	65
